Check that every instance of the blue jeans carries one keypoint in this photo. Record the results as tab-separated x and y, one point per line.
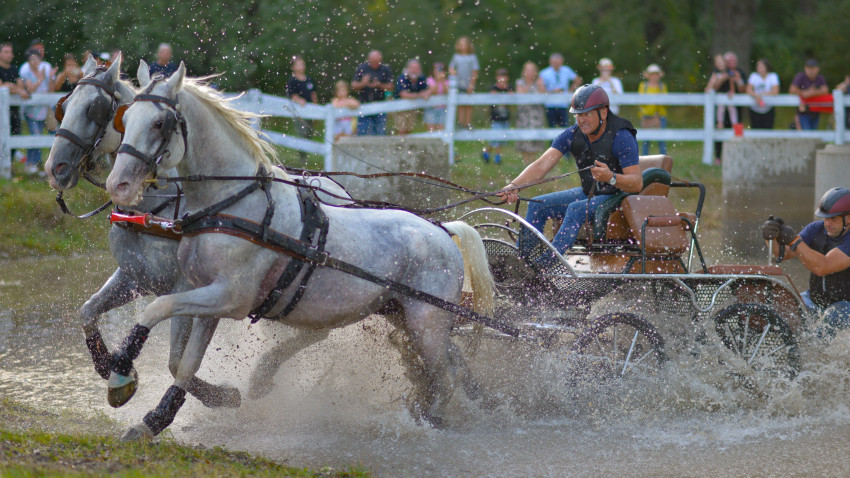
34	155
662	145
372	125
570	205
835	317
809	120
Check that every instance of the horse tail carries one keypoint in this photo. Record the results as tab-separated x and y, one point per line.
476	270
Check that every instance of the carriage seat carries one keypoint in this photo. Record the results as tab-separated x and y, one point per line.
665	229
608	221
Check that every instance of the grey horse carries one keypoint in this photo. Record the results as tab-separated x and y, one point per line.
147	261
203	136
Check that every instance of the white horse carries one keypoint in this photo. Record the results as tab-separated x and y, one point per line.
203	136
147	262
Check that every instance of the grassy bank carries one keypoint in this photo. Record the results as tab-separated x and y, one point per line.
38	443
32	223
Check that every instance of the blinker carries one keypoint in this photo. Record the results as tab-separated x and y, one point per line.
118	120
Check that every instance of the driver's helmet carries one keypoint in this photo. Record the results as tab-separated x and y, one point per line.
588	98
836	202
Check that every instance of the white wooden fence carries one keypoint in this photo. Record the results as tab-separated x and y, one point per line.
262	103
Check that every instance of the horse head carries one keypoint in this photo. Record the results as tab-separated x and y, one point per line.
86	116
154	136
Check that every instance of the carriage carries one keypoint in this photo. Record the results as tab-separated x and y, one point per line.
640	258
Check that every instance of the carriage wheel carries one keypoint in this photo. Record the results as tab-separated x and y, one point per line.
621	343
760	336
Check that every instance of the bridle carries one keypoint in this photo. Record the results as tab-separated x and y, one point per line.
100	112
173	122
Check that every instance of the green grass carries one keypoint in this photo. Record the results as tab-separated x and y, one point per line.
38	443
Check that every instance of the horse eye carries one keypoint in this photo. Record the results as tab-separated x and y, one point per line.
158	124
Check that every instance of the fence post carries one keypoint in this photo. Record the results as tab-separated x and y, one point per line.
838	106
708	128
451	118
330	117
5	133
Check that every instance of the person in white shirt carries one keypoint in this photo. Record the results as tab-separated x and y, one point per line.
560	80
611	84
761	83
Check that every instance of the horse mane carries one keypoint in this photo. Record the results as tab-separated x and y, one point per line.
262	151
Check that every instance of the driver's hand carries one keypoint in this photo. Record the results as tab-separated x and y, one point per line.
601	172
509	196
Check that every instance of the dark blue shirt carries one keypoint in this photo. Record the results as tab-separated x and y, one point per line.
412	85
816	228
625	147
166	70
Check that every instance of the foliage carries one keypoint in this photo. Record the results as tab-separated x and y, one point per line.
251	42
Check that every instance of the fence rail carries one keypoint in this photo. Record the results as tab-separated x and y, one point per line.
258	102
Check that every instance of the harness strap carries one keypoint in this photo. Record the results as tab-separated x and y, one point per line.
72	138
306	252
189	219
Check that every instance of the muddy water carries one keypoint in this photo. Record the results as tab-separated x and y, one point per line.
344	401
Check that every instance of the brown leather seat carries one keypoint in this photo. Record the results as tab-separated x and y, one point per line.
746	269
665	233
656	161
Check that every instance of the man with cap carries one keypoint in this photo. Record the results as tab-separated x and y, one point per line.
807	84
823	247
605	150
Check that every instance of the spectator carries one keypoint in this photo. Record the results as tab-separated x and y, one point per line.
530	116
70	75
738	76
560	80
343	125
807	84
38	46
762	82
722	81
37	79
653	116
611	84
371	80
438	84
464	66
500	116
410	85
301	89
9	78
163	64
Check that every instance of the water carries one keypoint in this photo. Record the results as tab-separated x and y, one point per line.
343	401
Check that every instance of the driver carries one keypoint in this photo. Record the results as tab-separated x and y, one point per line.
600	140
823	247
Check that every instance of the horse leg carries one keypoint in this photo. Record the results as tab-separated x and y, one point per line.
212	396
212	301
120	289
261	383
161	417
429	327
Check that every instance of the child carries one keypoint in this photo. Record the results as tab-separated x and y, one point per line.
500	115
438	84
343	126
722	81
653	116
464	66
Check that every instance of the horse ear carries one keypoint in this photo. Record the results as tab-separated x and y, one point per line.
144	74
175	83
115	68
90	66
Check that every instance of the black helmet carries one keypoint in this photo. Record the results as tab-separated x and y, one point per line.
836	202
588	98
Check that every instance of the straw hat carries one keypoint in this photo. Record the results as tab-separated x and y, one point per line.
653	68
605	64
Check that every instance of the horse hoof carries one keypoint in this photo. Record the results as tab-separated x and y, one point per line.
138	433
225	397
258	390
121	388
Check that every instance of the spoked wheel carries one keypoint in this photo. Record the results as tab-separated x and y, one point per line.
620	344
760	336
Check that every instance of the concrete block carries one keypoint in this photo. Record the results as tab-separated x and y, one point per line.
764	176
380	154
832	169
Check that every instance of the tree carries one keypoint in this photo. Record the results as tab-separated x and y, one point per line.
734	23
